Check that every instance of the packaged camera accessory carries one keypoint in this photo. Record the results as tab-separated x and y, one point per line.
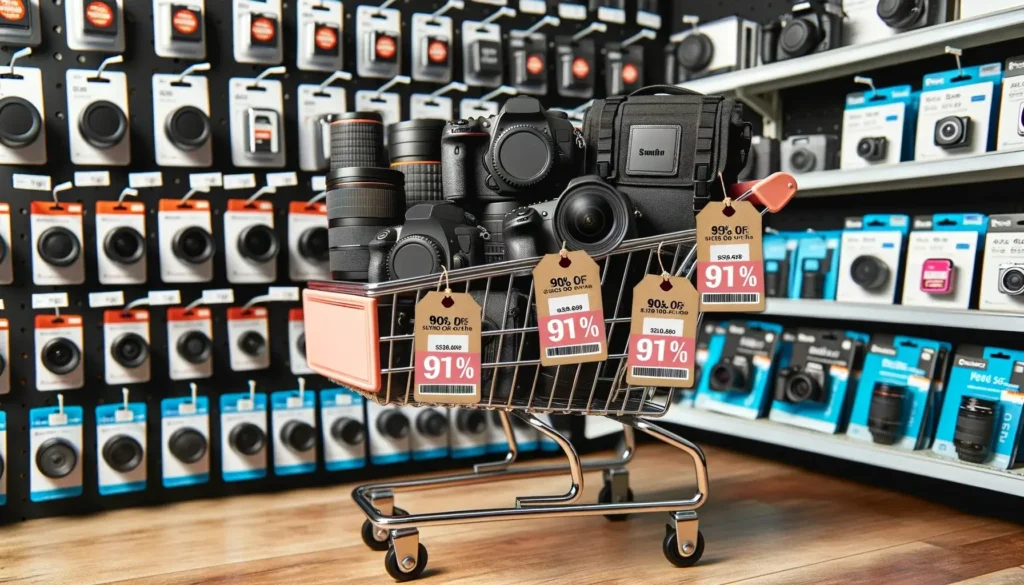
623	68
981	417
293	417
816	377
428	432
483	58
575	67
6	249
878	127
386	103
712	48
5	357
58	347
320	26
121	447
899	392
3	458
378	42
57	257
95	25
250	243
186	241
248	335
529	62
308	249
1011	114
527	437
810	26
182	131
22	114
613	11
737	375
430	106
871	259
126	343
318	106
817	266
19	23
868	21
179	29
297	343
257	123
779	255
710	333
121	242
55	439
343	423
185	436
1002	274
762	160
243	435
957	112
389	434
432	48
257	36
974	8
941	256
809	153
98	117
469	432
189	343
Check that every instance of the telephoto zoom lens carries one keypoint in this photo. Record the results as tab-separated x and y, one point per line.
974	425
886	413
415	148
360	203
357	140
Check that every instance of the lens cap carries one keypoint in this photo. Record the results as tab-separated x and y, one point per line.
56	458
895	12
799	37
193	245
247	438
258	243
298	436
195	347
392	423
131	350
803	160
523	155
20	122
252	344
61	356
314	244
348	431
431	423
414	256
471	422
59	246
695	52
103	124
300	343
188	128
187	445
122	453
124	245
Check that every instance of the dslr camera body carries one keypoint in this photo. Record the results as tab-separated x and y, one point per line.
727	44
808	154
811	26
434	234
804	384
873	20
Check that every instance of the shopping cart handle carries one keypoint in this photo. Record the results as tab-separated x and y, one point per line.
773	192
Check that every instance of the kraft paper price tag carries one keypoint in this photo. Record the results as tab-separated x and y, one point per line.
570	312
448	349
663	333
730	270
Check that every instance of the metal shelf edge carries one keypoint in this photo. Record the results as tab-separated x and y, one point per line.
898	314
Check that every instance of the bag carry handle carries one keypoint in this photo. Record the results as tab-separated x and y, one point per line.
669	89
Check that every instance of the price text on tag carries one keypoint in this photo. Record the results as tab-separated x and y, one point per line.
448	344
730	270
570	312
662	333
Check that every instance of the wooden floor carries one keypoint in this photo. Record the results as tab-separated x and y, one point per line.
765	522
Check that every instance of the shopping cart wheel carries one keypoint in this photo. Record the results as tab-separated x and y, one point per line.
378	539
391	564
671	549
605	497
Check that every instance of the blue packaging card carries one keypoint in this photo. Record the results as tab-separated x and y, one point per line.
738	370
179	416
777	262
290	410
49	428
3	453
957	112
114	422
236	410
817	266
888	112
343	408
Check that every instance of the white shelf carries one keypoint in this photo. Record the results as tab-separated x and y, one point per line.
992	166
922	463
898	314
849	61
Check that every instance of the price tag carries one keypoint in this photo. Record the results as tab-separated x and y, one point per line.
533	6
159	298
610	14
205	180
106	299
318	184
448	345
31	182
244	181
730	271
92	178
648	19
146	180
572	11
286	294
218	296
662	334
570	312
50	300
289	179
2	306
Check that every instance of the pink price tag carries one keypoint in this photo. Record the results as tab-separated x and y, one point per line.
447	373
730	283
661	356
572	334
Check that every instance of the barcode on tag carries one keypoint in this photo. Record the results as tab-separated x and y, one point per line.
50	300
731	298
164	297
669	373
442	389
569	350
283	293
106	299
218	296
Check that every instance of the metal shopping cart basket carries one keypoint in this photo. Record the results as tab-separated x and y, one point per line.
512	383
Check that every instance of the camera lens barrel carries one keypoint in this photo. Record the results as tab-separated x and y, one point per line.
360	203
975	422
886	413
592	215
415	148
61	356
801	387
357	140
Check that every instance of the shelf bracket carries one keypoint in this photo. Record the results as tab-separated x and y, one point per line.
769	107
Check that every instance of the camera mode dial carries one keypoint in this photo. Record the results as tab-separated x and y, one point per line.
523	155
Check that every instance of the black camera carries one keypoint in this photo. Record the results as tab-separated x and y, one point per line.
811	26
801	384
731	374
762	160
525	152
591	215
434	234
953	132
869	273
873	148
975	422
727	44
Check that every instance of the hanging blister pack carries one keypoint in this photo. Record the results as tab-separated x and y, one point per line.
257	123
529	62
942	254
179	29
182	131
6	260
483	57
871	259
1011	114
257	31
428	432
378	42
816	266
878	127
121	242
293	418
22	117
97	116
121	448
250	243
57	255
737	375
388	433
387	104
126	346
19	23
307	242
425	106
243	436
185	241
297	343
624	68
316	106
432	37
95	25
55	449
59	363
957	112
1002	275
248	335
185	440
575	67
320	27
189	343
343	423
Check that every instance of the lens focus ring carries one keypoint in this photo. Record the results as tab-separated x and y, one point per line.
422	182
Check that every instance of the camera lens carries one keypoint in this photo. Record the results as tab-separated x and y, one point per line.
493	220
431	423
298	436
886	413
122	453
188	128
252	344
1012	281
130	350
258	243
124	245
802	388
726	377
195	347
415	148
593	216
300	343
348	431
471	422
61	356
20	122
695	52
360	203
59	247
103	124
357	140
869	272
56	458
3	249
799	37
187	445
974	424
803	160
393	424
247	438
314	244
951	131
193	245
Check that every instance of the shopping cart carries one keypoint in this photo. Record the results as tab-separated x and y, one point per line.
513	382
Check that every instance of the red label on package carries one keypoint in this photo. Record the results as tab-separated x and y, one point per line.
185	21
99	14
263	29
12	10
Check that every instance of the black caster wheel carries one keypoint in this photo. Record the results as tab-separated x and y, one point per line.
369	537
671	549
391	564
605	497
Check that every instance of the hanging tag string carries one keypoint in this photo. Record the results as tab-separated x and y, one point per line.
564	252
447	285
664	273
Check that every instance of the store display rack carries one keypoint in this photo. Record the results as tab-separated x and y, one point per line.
896	314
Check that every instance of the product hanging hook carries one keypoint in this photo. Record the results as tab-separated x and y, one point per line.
60	404
591	29
56	313
690	19
957	53
444	277
252	392
453	86
126	192
106	62
191	306
194	388
339	74
502	12
385	5
398	79
18	55
318	197
646	33
548	20
124	398
302	388
450	5
503	90
191	193
868	82
264	190
59	189
126	311
190	70
278	70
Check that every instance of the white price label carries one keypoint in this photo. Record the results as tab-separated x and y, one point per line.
92	179
159	298
245	405
106	299
648	19
459	343
572	11
342	400
123	416
218	296
186	408
50	300
148	180
568	304
613	15
533	6
205	180
286	294
293	402
289	179
57	419
656	326
318	183
244	181
31	182
730	253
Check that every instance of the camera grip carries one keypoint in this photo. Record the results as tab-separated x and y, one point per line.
380	247
523	233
